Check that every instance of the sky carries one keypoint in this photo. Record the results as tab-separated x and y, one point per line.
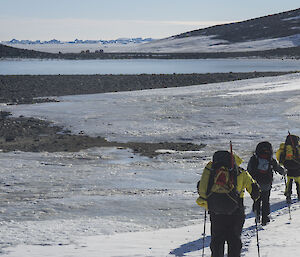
98	19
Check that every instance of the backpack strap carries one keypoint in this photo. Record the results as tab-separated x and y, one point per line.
282	155
212	173
235	174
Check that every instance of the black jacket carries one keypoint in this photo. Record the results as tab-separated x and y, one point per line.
263	177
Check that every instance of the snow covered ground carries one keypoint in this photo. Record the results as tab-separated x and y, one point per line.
110	202
279	238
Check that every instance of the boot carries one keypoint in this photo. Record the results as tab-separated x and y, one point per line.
265	221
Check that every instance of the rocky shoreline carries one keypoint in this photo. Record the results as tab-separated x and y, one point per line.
33	135
27	89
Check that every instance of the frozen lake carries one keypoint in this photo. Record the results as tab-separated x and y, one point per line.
60	199
149	66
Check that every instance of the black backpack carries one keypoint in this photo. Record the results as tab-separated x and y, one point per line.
222	195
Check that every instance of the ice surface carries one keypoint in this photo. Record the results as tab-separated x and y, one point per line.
143	66
56	201
53	198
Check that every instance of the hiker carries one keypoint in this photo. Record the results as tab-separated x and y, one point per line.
261	166
221	192
288	155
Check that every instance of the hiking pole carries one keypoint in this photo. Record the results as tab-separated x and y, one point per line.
233	166
231	154
256	227
292	141
203	240
288	203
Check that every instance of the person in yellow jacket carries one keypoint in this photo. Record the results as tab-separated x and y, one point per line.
226	209
288	155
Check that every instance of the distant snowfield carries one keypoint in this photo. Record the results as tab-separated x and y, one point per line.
172	45
110	202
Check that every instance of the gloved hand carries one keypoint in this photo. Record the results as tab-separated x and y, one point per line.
255	194
255	206
255	209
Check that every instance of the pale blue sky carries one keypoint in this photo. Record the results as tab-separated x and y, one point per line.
111	19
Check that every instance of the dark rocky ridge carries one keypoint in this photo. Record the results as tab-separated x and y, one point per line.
13	52
271	26
20	89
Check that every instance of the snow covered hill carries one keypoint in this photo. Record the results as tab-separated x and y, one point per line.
269	32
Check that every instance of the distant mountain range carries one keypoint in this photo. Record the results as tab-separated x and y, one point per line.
79	41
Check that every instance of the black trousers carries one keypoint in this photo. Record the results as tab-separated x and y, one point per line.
288	190
262	205
226	228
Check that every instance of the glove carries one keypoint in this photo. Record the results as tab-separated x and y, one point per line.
255	194
255	207
201	202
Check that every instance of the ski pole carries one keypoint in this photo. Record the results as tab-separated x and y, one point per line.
233	166
257	240
291	138
203	240
231	154
288	203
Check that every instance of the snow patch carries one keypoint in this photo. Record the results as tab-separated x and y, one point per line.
292	18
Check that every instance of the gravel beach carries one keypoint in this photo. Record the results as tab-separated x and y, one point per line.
24	89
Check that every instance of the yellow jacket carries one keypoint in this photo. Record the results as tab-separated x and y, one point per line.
244	181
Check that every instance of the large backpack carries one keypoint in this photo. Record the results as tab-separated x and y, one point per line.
289	150
222	196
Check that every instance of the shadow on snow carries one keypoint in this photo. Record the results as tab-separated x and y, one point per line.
193	246
197	245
